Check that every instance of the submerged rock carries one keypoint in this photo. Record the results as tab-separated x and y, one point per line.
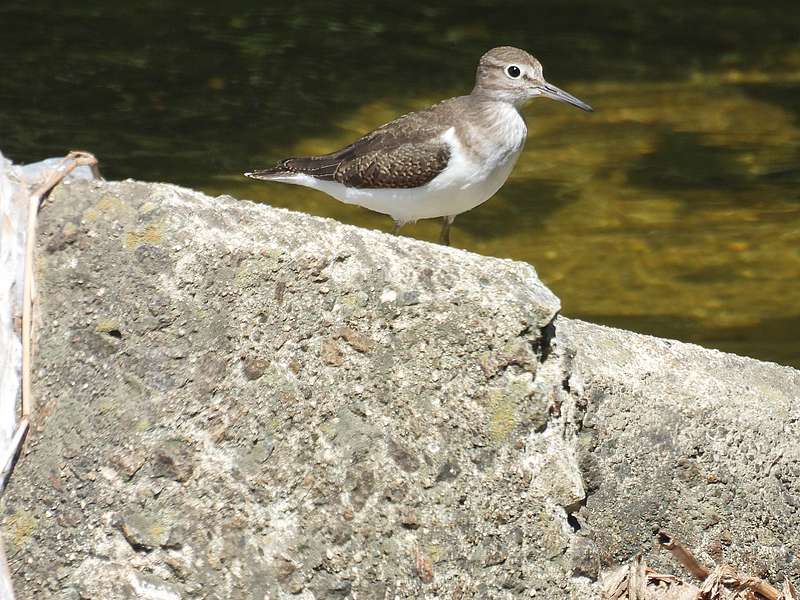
235	401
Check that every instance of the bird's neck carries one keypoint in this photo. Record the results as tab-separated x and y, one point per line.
492	130
496	94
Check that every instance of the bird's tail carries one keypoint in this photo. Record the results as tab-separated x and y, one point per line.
277	172
320	167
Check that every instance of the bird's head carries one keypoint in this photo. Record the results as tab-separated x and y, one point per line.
512	75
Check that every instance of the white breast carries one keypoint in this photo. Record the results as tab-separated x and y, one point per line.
470	178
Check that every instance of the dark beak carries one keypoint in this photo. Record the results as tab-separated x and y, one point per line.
551	91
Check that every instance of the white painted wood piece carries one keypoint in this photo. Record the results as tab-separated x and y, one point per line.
13	222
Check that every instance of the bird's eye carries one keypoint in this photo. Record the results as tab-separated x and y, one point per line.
513	71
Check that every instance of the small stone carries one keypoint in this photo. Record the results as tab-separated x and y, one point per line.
173	460
495	556
210	372
72	517
142	532
175	538
423	566
284	568
584	558
178	565
67	235
149	586
70	593
330	353
358	341
128	463
280	292
409	519
714	549
296	584
395	491
376	589
178	351
404	459
341	533
262	450
409	298
340	589
491	551
325	585
361	484
448	472
254	368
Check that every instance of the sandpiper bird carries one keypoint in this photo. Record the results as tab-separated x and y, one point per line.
440	161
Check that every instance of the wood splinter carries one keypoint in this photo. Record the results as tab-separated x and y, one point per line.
683	555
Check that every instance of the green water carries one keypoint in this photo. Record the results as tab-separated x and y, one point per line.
673	210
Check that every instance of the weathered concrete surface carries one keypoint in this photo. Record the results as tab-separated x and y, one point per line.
701	443
242	402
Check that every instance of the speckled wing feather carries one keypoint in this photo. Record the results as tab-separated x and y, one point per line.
405	153
406	166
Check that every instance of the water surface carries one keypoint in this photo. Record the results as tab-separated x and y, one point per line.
674	209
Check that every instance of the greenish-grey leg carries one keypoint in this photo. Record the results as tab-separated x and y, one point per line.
444	236
397	226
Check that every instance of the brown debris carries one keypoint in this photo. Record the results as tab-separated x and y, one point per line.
789	592
639	582
631	582
723	575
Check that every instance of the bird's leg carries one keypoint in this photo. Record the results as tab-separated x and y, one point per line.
444	236
397	226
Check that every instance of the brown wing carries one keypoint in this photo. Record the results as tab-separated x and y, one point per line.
405	153
406	166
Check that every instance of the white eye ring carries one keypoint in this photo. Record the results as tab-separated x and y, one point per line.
513	71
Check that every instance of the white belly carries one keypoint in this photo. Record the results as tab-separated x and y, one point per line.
449	194
466	182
